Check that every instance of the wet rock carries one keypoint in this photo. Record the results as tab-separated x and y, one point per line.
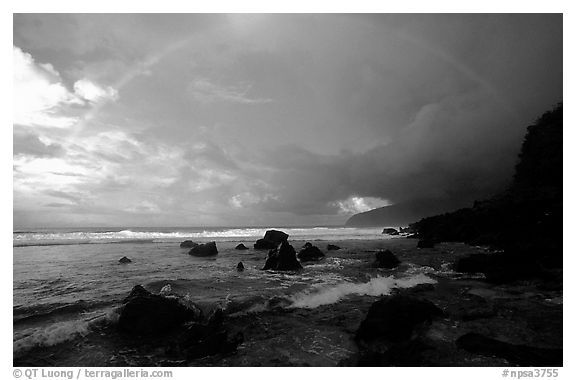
332	247
393	319
271	240
425	243
282	258
392	332
310	253
188	244
241	246
517	354
124	260
199	340
240	267
144	313
500	268
265	244
202	250
385	259
390	231
307	245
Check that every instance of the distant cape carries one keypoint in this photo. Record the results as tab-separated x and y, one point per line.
401	214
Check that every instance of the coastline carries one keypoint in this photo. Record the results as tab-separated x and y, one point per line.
521	313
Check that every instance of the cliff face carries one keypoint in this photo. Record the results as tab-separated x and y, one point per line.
526	219
398	215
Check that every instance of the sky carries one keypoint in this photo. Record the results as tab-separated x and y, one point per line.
260	119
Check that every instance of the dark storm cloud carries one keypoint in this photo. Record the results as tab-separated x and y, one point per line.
264	119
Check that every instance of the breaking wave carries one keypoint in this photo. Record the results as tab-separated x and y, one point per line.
377	286
30	238
60	332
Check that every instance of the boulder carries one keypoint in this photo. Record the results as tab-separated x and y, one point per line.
307	245
394	318
385	259
124	260
188	244
522	355
265	244
390	231
276	236
425	243
271	240
199	340
202	250
241	246
144	313
282	258
310	253
332	247
240	267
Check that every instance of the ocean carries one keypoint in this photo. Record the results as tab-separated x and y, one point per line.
69	281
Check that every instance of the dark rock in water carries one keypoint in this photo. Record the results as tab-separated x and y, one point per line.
240	267
500	268
522	355
425	243
271	240
385	259
144	313
188	244
392	332
241	246
393	319
205	339
307	245
208	249
390	231
265	244
332	247
124	260
276	236
282	258
310	253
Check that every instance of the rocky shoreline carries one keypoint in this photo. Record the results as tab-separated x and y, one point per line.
471	322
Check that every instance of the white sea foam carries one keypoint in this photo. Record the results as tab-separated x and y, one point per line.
375	287
231	234
60	332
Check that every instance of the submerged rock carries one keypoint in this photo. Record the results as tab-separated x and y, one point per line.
241	246
199	340
390	231
208	249
394	318
310	253
332	247
124	260
385	259
392	332
240	267
282	258
425	243
144	313
271	240
514	353
188	244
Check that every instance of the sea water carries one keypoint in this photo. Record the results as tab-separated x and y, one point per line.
68	280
